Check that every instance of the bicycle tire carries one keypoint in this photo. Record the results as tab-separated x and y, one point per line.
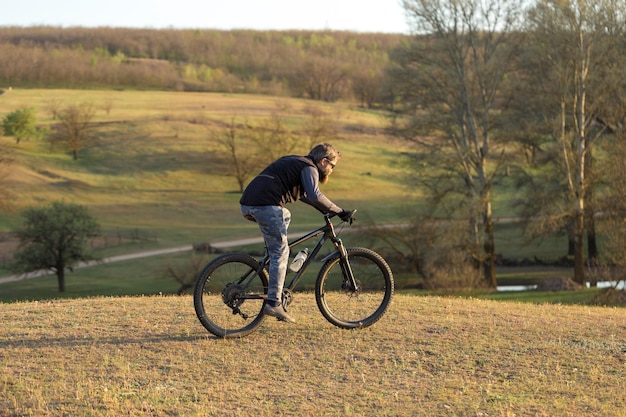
215	299
346	307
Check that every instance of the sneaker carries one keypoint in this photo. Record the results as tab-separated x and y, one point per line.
278	312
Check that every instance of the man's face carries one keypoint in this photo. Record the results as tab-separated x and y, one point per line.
326	166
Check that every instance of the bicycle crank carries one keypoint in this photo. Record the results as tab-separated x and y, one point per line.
287	298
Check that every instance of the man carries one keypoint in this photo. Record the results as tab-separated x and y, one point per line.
288	179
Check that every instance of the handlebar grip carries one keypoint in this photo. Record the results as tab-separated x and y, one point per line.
349	218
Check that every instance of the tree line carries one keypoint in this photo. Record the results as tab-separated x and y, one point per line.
323	65
531	94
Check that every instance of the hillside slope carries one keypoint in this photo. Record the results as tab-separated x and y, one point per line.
155	164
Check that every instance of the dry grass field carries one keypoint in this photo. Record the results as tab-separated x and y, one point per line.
429	356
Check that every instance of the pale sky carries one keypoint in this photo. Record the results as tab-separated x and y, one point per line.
354	15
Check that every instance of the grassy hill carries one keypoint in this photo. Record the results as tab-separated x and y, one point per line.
155	177
428	356
154	164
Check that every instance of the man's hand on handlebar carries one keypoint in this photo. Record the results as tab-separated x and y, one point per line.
348	216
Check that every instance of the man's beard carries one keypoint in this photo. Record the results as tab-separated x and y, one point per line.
324	177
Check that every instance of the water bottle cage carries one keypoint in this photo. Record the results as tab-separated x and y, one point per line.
298	260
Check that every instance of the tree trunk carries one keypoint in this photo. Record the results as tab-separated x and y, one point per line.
61	279
590	224
580	179
489	264
592	245
579	254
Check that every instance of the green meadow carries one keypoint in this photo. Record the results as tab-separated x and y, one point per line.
155	177
155	165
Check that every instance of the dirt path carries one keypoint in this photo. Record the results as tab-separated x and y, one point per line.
130	256
146	254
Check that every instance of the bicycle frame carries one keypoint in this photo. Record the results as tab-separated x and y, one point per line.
237	283
327	232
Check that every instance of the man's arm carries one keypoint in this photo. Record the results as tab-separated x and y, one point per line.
312	194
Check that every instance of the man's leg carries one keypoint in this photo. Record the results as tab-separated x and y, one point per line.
273	222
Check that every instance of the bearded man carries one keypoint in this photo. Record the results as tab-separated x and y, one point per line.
286	180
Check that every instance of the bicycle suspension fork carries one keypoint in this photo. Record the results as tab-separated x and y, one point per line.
344	263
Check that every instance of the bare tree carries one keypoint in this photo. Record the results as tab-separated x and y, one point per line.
428	247
243	159
449	78
107	105
249	147
581	44
54	106
273	138
74	126
323	78
366	82
186	275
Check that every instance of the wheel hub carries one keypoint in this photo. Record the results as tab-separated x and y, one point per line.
347	286
232	295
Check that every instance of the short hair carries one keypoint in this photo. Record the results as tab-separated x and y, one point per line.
324	150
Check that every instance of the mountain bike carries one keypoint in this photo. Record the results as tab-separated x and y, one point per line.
353	288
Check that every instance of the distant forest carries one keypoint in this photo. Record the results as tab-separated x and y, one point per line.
321	65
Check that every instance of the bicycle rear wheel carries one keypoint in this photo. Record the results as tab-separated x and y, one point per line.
348	307
229	295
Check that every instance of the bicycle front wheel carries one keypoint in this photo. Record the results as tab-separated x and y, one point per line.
229	295
348	307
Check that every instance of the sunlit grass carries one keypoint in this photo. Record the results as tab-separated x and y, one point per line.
428	356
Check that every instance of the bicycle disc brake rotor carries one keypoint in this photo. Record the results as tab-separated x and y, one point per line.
232	295
347	286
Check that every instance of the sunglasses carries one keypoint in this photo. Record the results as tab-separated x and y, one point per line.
332	164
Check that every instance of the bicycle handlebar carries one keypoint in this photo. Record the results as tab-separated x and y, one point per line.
348	217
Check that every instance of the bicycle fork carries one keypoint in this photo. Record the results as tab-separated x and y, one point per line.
349	280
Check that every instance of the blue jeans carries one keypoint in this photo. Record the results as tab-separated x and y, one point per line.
273	222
